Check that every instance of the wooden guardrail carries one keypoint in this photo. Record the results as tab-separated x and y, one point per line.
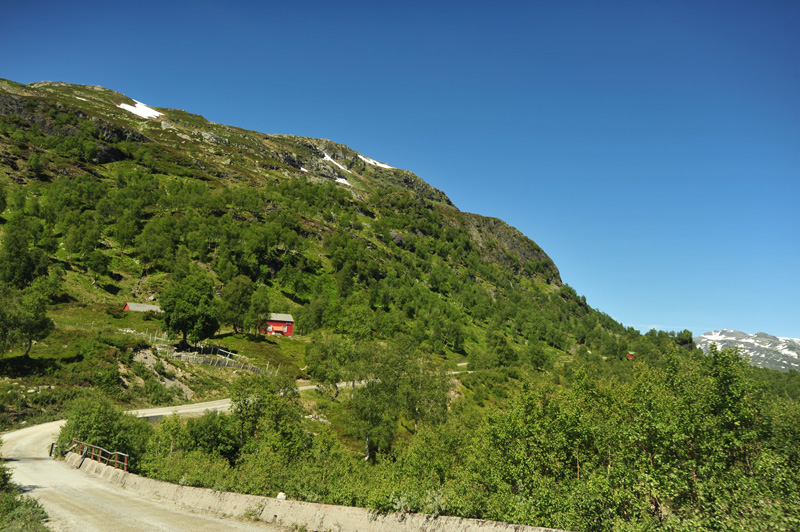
98	454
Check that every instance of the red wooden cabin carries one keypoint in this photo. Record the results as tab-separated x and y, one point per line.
282	324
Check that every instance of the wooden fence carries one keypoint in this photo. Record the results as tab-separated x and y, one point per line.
197	355
217	361
98	454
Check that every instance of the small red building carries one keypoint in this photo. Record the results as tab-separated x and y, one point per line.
282	324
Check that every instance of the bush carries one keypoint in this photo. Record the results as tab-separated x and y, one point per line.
114	310
162	370
107	379
18	513
97	421
140	370
151	315
125	342
21	513
157	393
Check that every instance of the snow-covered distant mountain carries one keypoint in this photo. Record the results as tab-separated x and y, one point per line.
764	350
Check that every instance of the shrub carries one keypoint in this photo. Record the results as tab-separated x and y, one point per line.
97	421
114	310
151	315
140	370
157	393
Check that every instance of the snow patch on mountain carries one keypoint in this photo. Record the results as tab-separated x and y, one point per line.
140	109
763	350
328	158
343	181
374	162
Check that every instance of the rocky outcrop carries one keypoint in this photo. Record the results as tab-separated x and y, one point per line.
501	243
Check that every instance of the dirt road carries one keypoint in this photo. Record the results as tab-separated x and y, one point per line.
77	502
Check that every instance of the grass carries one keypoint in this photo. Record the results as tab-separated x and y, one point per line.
260	350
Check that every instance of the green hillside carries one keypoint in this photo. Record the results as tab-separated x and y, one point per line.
538	408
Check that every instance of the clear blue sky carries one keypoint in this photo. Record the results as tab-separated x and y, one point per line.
651	148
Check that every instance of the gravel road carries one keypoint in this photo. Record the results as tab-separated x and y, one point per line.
77	502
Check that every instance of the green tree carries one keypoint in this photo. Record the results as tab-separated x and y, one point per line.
685	339
374	408
537	356
259	309
29	321
18	199
5	326
19	264
127	228
267	410
35	164
83	235
97	421
97	262
214	433
156	244
235	301
89	150
424	390
330	360
188	308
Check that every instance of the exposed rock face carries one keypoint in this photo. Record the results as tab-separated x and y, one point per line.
109	154
398	238
515	249
112	133
212	138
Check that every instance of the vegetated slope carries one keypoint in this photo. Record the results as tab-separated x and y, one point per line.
567	419
314	220
106	200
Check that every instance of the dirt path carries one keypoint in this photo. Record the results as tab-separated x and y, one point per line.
77	502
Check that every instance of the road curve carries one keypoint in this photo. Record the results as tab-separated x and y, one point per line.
77	502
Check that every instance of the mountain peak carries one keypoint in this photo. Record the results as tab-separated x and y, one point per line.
763	349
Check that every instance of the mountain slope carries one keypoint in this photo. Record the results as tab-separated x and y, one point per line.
203	150
490	388
123	199
762	349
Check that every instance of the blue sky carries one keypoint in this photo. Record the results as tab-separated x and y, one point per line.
651	148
